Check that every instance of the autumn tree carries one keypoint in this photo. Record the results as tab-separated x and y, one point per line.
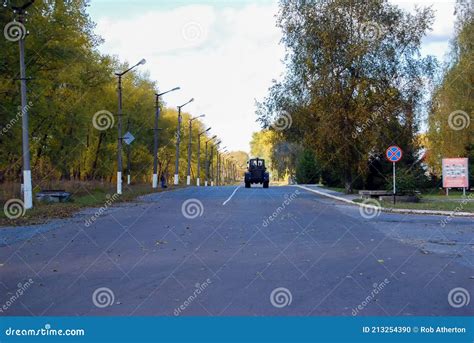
70	83
451	128
353	82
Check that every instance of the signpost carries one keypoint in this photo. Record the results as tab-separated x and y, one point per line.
128	138
394	154
456	174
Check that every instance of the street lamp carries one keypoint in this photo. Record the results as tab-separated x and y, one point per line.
219	167
188	178
27	186
212	161
207	160
119	125
178	140
199	155
223	166
155	136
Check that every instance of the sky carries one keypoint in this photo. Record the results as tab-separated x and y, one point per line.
222	53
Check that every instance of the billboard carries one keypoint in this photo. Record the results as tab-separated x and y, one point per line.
455	173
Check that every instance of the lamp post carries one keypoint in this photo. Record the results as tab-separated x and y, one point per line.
178	140
224	166
207	161
155	136
128	155
199	155
212	161
219	167
119	125
188	178
226	161
21	34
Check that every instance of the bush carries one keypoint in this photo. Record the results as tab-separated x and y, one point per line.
307	169
407	181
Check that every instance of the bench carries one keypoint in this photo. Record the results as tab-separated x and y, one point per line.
374	194
53	195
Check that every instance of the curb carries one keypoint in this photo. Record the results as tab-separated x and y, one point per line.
390	210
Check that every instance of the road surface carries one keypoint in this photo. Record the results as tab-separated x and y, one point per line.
227	251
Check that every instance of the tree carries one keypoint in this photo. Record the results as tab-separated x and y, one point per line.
451	128
307	170
353	83
71	82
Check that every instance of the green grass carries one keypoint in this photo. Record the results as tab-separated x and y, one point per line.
453	205
83	198
440	195
336	189
457	206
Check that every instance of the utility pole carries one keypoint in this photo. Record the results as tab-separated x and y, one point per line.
188	178
178	141
21	32
119	125
155	137
155	143
207	161
217	168
199	156
128	154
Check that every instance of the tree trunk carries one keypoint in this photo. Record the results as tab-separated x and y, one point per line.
348	181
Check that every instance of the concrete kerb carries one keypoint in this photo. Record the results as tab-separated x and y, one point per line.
385	209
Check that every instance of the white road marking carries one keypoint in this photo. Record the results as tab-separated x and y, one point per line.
235	190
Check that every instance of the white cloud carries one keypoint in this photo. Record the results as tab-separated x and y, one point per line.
223	57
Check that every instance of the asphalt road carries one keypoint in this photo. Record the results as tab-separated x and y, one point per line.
279	251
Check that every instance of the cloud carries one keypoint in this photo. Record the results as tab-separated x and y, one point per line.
224	57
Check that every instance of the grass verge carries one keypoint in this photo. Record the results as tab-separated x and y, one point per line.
82	198
449	205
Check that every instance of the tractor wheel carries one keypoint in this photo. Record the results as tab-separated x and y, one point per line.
265	184
247	184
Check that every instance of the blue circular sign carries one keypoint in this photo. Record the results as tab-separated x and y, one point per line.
394	153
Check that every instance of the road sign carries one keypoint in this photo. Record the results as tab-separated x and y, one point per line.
394	153
128	138
455	173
